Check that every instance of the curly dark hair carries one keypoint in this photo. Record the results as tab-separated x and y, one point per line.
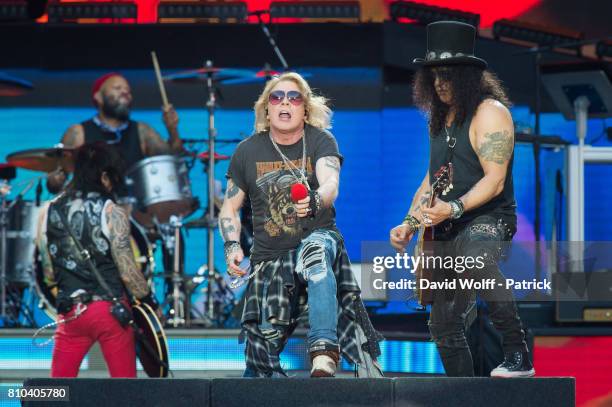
469	85
91	161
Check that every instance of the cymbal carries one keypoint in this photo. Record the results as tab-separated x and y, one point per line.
218	157
256	77
12	86
42	159
260	76
201	75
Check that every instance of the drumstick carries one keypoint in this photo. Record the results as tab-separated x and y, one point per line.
160	82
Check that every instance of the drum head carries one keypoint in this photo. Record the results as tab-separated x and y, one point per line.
160	187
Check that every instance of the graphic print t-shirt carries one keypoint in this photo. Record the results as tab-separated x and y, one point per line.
258	169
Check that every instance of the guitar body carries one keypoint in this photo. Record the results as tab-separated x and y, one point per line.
151	342
424	246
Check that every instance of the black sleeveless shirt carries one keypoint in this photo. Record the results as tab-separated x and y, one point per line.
128	145
467	171
71	270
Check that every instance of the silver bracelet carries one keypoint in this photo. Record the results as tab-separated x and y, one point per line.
456	209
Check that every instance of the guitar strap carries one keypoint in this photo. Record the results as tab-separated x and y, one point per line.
451	142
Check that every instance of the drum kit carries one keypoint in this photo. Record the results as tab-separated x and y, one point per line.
159	190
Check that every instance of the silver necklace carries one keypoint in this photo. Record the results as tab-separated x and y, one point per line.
301	177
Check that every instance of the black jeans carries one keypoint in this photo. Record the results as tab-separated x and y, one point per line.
453	310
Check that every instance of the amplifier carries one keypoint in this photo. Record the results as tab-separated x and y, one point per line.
583	297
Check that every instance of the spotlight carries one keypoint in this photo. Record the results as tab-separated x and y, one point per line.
73	11
428	14
534	33
204	10
316	9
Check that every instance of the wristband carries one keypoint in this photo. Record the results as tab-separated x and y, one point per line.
456	209
229	247
315	202
412	222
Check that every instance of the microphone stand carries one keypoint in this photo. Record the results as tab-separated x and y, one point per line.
271	40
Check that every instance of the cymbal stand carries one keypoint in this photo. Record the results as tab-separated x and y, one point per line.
212	221
4	191
172	240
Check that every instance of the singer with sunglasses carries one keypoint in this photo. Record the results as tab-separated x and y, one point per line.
290	170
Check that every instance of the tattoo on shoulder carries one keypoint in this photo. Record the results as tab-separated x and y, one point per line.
71	136
496	147
232	189
119	226
333	163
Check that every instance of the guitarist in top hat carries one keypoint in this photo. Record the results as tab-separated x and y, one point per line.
472	138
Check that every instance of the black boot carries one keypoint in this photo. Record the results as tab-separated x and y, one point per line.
515	364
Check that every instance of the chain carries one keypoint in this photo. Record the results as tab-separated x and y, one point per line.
302	178
80	309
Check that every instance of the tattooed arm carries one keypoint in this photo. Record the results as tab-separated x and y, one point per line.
152	143
119	236
229	225
73	137
43	250
420	197
229	218
328	175
493	141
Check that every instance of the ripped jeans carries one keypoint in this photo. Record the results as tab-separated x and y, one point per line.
315	258
484	236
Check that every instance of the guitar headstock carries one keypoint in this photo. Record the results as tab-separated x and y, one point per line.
442	181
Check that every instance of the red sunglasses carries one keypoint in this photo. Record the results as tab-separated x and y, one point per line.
293	96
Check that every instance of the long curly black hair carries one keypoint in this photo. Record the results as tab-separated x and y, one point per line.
90	162
469	86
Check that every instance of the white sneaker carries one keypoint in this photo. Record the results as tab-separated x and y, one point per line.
323	366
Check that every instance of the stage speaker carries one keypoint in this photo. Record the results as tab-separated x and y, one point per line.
298	392
481	391
127	392
583	296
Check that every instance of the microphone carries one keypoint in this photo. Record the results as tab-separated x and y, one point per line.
298	192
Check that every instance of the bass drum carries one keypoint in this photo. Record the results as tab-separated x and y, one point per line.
143	254
20	243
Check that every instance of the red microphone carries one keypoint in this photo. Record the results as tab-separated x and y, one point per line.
298	192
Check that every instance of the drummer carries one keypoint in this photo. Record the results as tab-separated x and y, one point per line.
112	97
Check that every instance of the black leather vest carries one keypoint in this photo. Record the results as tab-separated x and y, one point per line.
71	270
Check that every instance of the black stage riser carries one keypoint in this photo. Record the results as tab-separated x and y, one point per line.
398	392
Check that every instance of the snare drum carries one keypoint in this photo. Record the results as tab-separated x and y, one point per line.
160	187
20	243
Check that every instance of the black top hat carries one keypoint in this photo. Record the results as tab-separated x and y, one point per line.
450	43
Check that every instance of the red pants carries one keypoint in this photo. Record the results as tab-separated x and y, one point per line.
73	340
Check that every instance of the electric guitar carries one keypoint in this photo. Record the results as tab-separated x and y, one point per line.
425	237
151	342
